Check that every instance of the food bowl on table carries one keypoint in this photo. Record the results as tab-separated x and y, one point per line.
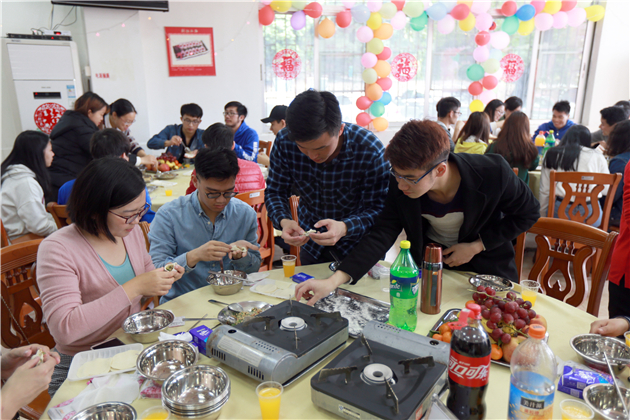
197	391
162	359
223	285
144	327
604	400
107	411
591	346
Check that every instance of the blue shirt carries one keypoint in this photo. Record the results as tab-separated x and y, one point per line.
350	189
181	226
618	165
157	141
121	273
558	134
66	189
246	143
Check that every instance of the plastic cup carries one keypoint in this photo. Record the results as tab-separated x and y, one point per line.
575	410
156	413
385	282
288	264
529	290
269	395
627	336
168	192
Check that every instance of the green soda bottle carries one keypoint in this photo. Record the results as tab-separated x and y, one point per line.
403	290
550	142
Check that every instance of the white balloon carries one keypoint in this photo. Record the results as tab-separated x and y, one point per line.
348	4
446	25
399	20
374	5
480	6
500	40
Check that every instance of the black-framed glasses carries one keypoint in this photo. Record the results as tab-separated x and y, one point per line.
227	195
130	219
231	114
409	181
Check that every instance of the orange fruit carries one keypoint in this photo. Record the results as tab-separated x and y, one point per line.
446	337
470	301
444	328
496	353
437	337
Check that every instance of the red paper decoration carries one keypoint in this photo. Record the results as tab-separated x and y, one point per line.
513	67
286	64
47	115
404	67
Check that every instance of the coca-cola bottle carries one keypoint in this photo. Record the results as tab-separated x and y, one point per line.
469	365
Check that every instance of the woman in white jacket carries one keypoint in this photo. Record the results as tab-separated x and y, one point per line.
25	181
574	155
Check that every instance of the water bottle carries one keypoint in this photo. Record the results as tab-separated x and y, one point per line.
550	142
403	290
532	383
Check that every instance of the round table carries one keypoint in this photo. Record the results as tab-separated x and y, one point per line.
564	322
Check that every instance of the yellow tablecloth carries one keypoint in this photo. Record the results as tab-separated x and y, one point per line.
159	197
564	322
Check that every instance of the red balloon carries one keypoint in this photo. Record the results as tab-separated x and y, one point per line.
460	12
385	83
385	54
344	18
363	103
509	8
313	10
475	88
363	119
493	27
482	38
266	15
399	4
539	5
568	5
489	82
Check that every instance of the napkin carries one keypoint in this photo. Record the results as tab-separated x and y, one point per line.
120	387
161	183
184	336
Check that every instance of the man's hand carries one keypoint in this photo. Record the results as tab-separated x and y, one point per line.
313	290
15	358
210	251
335	231
237	255
174	141
462	253
147	160
292	233
610	327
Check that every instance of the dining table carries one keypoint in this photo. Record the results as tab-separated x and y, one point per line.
564	322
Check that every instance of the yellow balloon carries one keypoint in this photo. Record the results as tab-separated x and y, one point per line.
552	7
380	124
374	92
375	21
384	32
466	2
382	68
326	28
467	24
281	6
595	13
476	106
526	27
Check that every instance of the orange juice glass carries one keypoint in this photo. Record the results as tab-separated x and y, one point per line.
575	410
288	264
156	413
529	290
269	396
168	192
627	336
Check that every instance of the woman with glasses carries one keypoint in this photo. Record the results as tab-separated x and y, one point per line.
184	138
94	273
122	115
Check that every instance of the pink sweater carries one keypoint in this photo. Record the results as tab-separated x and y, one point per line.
82	302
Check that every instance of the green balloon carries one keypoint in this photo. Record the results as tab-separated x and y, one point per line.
491	65
510	25
377	109
299	5
375	46
420	22
369	76
475	72
413	9
388	10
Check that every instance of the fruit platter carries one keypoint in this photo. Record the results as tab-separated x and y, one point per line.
505	319
166	162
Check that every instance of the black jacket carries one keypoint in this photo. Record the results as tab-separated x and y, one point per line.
498	206
71	145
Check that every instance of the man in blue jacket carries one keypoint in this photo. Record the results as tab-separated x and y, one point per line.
559	123
176	137
245	137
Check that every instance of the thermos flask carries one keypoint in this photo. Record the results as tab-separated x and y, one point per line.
431	293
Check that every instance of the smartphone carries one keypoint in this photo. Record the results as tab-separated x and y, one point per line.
112	342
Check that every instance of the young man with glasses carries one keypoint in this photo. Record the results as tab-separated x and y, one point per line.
179	137
448	114
201	231
245	138
472	205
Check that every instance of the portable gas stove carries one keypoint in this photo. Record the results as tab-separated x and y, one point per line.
281	343
386	373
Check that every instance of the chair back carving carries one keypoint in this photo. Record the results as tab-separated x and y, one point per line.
565	247
256	199
59	213
294	202
146	227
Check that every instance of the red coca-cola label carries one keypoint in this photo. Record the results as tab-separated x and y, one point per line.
472	372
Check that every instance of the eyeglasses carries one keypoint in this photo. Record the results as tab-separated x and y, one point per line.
191	122
231	114
128	123
130	219
227	195
411	182
458	113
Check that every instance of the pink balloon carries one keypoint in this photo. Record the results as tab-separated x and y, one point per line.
446	25
480	6
543	21
482	38
363	103
568	5
363	119
481	54
560	20
385	54
539	5
365	34
368	60
385	83
500	40
475	88
486	96
460	12
576	17
266	2
489	82
484	22
348	4
374	5
399	20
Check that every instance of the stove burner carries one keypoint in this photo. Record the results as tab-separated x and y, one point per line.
377	374
292	323
364	341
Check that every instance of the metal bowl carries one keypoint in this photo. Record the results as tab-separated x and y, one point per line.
228	317
145	326
108	411
604	400
196	390
586	345
162	359
227	286
487	280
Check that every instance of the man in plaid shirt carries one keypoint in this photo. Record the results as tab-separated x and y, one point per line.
336	168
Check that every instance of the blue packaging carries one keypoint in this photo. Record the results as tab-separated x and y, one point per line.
200	337
576	378
577	393
301	277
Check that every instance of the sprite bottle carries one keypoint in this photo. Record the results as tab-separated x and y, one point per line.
403	290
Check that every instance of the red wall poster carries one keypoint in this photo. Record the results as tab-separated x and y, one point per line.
190	51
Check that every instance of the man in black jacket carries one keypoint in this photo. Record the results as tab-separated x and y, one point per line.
473	205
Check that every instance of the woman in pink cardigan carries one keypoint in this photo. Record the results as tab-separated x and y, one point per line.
93	273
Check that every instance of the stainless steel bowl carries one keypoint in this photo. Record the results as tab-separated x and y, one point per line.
107	411
604	400
227	286
196	390
487	280
589	347
162	359
228	317
145	326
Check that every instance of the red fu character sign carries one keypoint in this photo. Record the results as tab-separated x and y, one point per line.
513	67
404	67
47	115
286	64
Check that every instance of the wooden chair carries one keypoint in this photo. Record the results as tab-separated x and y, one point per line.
24	238
561	243
5	237
59	213
266	146
145	226
256	199
294	202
